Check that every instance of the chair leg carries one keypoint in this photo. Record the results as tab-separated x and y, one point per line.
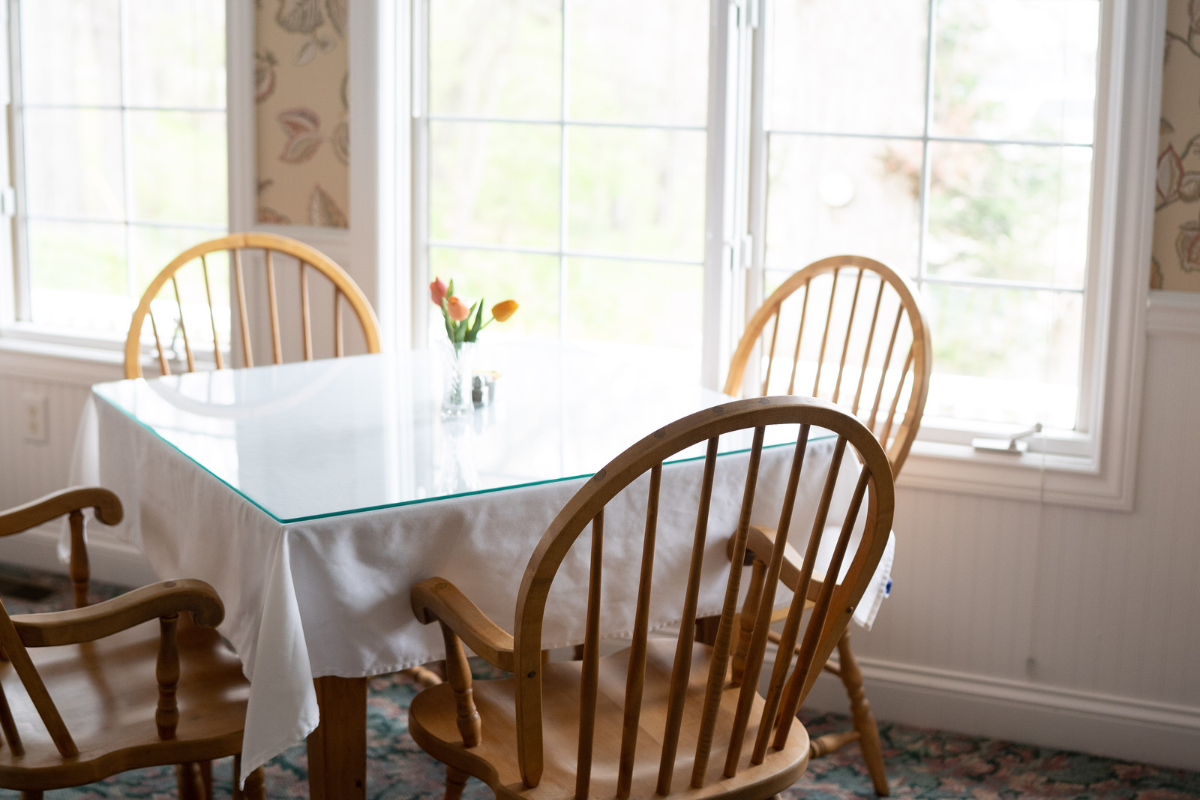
206	779
189	781
256	785
456	781
864	720
31	795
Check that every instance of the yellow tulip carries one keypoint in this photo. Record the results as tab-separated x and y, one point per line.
504	309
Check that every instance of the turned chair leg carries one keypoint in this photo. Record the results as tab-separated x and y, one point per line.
864	720
31	795
456	781
256	786
190	781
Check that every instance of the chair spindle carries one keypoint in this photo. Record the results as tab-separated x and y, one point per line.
9	726
458	671
758	573
589	681
243	316
862	375
887	425
187	347
166	671
305	319
720	657
11	642
799	336
79	567
211	314
637	653
771	353
887	362
338	343
162	357
681	671
276	343
825	335
837	386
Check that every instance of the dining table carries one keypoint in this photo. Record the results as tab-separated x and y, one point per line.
312	496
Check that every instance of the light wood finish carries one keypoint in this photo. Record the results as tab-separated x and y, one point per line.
308	259
644	721
879	378
337	749
113	690
891	401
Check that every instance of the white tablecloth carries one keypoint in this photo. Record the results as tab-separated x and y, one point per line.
330	596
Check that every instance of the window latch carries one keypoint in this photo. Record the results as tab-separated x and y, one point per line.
1013	445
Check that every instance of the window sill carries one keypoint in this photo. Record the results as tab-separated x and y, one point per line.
56	362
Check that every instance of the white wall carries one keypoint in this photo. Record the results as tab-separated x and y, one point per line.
1107	604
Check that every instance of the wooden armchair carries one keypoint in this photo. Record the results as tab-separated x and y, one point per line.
113	690
647	721
890	399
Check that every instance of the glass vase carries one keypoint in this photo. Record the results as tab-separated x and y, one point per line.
456	359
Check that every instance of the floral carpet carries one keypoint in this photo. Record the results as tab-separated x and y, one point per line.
921	763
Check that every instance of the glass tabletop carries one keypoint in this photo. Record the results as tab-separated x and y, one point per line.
323	438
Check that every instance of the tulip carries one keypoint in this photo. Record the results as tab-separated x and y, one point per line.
458	309
437	291
504	309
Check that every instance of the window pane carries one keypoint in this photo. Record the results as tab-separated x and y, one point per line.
73	163
1004	355
189	35
1010	211
78	275
70	52
178	166
849	67
635	303
1016	69
155	247
654	71
494	183
828	196
531	280
493	58
639	192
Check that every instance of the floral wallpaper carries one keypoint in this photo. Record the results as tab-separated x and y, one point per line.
301	72
1176	260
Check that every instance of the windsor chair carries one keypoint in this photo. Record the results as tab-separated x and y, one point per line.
649	719
899	395
90	675
307	259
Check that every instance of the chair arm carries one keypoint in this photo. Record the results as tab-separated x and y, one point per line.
438	599
22	518
104	619
761	540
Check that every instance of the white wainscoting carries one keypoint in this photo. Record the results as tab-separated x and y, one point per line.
1052	625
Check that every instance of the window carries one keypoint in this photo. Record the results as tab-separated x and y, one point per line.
564	151
952	140
564	146
119	152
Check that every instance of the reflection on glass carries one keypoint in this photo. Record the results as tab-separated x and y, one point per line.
638	192
71	52
654	71
1016	70
178	166
73	162
635	303
829	196
1014	212
494	183
848	67
1004	355
496	58
187	34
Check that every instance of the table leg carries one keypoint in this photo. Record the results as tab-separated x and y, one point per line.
337	749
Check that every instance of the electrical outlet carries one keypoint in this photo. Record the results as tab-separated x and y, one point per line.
34	418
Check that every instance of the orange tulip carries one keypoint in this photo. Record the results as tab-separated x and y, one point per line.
437	291
458	309
504	309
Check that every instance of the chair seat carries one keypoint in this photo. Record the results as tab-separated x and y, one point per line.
494	761
107	693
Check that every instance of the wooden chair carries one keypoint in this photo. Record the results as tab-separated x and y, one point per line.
890	398
647	720
113	690
307	258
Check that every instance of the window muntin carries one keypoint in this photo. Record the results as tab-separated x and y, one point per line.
120	151
973	178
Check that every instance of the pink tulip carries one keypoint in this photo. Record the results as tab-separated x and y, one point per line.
437	291
458	309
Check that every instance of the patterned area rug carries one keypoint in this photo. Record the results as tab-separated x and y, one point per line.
921	763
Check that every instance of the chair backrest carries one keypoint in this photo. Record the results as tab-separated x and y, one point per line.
833	609
885	358
270	244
